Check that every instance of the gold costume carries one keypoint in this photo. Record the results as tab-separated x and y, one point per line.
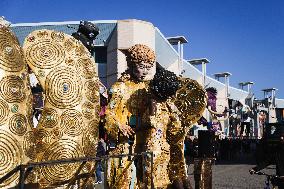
163	132
154	134
122	110
117	115
191	101
15	107
160	126
68	127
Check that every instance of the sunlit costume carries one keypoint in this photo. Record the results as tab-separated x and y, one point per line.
120	110
190	99
15	106
69	124
160	123
178	102
162	132
68	127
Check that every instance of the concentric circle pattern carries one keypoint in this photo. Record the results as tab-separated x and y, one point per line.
88	110
72	122
29	145
42	34
18	124
191	101
44	53
11	55
81	50
4	111
49	118
57	36
90	138
43	139
12	88
62	149
86	67
69	45
63	88
36	141
10	155
92	91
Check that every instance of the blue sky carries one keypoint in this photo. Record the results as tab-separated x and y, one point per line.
244	37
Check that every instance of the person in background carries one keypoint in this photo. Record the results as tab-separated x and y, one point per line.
188	147
101	151
246	120
262	120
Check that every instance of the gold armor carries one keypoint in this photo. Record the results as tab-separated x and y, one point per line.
68	127
15	107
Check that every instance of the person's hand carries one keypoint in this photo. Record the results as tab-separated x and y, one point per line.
126	130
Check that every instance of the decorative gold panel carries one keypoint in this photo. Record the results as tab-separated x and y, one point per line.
191	101
15	106
11	56
69	122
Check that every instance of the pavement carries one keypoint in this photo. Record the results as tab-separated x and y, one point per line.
235	176
231	176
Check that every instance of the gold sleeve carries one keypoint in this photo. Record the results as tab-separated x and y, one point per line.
175	137
175	128
116	111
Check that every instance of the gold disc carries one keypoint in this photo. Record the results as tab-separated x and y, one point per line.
90	137
63	88
191	101
11	56
49	118
72	122
62	149
4	111
86	67
89	110
18	124
43	49
10	155
29	145
37	141
12	88
91	89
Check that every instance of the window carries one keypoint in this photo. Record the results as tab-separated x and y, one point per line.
100	54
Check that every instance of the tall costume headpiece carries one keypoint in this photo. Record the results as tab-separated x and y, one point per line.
140	54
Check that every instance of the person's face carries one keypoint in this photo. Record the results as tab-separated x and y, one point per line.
140	71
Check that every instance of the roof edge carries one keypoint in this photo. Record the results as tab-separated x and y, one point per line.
62	23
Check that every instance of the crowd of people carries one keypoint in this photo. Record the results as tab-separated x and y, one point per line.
225	150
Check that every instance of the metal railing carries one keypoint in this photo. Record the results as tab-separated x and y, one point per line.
26	169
